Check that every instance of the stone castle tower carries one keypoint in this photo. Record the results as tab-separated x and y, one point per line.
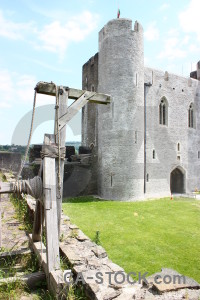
140	150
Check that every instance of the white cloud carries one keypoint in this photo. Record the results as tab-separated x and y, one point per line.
172	49
164	6
15	89
13	30
173	32
189	18
175	45
194	48
152	32
56	37
25	88
4	105
185	40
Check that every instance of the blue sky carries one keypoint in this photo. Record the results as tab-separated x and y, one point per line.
51	40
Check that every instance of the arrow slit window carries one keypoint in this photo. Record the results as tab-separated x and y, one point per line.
191	116
163	112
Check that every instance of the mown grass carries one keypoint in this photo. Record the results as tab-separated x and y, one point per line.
143	236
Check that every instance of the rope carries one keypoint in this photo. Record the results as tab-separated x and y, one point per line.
58	139
30	136
33	187
59	152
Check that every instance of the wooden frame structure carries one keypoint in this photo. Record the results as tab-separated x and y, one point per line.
49	207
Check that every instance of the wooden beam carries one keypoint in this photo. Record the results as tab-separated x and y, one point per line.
74	108
30	280
40	251
55	278
6	187
38	220
50	207
38	214
15	253
63	101
49	89
95	97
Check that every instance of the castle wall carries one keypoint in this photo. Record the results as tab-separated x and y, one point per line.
89	111
121	124
117	130
164	139
10	161
89	118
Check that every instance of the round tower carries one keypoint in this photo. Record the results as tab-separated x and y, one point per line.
121	124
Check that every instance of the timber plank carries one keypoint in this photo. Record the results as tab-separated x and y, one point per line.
49	89
31	280
63	100
50	207
15	253
74	108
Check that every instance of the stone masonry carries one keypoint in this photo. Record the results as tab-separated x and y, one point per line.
137	155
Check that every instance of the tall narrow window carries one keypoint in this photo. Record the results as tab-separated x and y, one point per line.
191	116
163	112
154	154
178	146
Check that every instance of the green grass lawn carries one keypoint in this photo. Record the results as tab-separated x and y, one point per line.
143	236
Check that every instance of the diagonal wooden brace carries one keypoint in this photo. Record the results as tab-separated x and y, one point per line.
74	108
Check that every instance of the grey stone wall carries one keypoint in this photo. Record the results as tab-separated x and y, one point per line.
89	117
117	130
10	161
121	125
198	70
89	111
180	92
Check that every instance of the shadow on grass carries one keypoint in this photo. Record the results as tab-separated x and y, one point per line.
85	199
82	199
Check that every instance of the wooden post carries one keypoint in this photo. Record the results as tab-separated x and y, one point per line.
38	215
50	208
65	114
63	100
38	221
